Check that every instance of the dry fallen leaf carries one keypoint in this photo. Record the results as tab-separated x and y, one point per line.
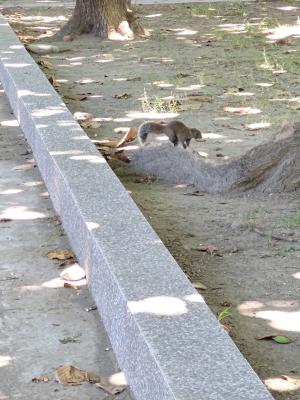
284	41
129	136
135	78
53	81
60	254
122	96
42	378
70	339
110	389
105	143
196	193
145	179
92	378
121	155
90	124
67	263
70	286
233	89
68	374
198	97
280	339
77	97
199	285
209	249
45	64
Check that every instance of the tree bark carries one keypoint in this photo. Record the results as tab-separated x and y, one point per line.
111	19
273	166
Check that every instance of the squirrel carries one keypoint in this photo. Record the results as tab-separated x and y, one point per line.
176	131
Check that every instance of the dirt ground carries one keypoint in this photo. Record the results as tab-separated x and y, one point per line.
231	70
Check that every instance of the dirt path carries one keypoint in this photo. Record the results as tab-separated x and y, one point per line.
216	68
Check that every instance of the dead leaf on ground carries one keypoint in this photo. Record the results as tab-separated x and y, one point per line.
129	136
90	124
182	75
196	193
42	378
68	374
70	286
60	254
209	249
276	337
77	97
67	263
105	143
199	285
145	179
122	96
284	41
93	378
70	339
134	78
121	155
234	89
3	220
198	98
53	81
110	389
45	64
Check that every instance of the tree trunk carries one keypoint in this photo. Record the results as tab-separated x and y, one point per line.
111	19
273	166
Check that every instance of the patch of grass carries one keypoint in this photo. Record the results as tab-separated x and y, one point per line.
160	105
230	9
294	221
224	313
283	251
253	215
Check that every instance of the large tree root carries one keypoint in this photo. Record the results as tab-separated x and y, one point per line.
273	166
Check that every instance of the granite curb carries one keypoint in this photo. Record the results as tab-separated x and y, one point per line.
164	336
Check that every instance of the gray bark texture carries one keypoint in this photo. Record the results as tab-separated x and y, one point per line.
273	166
103	18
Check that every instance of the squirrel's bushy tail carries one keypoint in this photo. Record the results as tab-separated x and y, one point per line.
149	127
143	133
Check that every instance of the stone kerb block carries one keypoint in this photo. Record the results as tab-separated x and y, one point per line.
166	339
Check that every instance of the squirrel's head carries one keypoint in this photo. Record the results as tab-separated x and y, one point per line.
196	133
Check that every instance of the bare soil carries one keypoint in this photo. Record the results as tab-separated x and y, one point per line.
198	60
